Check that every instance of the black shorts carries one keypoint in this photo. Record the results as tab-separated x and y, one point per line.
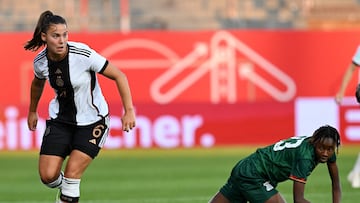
61	138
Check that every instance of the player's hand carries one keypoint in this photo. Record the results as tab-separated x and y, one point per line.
338	99
32	120
128	120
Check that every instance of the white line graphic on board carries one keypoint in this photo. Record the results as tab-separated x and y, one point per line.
221	64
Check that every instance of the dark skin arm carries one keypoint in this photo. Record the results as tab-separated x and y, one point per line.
37	87
298	192
335	180
298	187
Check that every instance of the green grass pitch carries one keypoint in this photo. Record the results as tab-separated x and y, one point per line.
158	176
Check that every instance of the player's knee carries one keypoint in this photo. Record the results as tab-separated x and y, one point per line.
45	179
277	198
52	181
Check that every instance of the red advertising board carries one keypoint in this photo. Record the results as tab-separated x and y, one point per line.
201	89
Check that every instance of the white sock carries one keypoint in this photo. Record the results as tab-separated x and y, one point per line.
57	183
70	190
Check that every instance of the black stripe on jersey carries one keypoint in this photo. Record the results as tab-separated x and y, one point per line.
40	56
59	78
76	50
93	83
80	49
93	80
104	67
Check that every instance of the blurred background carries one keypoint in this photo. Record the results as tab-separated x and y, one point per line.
203	73
90	15
211	79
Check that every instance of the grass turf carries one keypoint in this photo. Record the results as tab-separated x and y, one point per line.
158	176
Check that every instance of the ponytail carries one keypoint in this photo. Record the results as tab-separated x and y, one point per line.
45	19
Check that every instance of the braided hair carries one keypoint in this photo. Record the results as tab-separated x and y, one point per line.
324	132
46	19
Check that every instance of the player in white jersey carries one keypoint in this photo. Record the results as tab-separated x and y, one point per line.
78	121
354	175
355	63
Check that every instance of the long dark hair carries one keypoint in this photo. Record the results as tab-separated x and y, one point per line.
323	132
45	20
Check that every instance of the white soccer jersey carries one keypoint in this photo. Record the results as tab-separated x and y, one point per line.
78	99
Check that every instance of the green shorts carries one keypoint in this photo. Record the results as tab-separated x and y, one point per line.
246	184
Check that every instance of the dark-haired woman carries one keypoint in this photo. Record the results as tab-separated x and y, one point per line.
354	174
78	121
254	179
353	65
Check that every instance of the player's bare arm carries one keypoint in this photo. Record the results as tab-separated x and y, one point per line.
37	87
128	119
335	180
298	192
346	79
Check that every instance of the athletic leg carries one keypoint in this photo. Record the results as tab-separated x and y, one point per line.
277	198
50	170
54	149
86	144
76	165
219	198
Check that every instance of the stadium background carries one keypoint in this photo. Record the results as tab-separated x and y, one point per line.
203	73
211	81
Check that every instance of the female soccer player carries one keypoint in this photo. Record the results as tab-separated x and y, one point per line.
355	63
354	175
79	115
254	179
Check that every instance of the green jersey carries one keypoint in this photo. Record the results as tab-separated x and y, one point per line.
255	178
293	158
